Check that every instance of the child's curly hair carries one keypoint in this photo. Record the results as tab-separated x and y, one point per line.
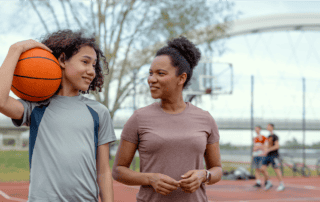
69	43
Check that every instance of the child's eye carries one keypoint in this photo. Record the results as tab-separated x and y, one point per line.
85	62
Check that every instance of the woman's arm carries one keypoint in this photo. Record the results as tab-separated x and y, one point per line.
191	181
213	162
104	176
121	171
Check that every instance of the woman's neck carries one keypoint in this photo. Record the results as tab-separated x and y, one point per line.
173	106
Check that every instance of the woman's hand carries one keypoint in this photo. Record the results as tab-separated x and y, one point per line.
192	180
23	46
163	184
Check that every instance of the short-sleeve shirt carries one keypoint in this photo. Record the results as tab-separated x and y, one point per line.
171	144
271	139
262	140
62	147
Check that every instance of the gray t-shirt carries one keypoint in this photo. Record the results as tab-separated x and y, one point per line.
64	135
171	144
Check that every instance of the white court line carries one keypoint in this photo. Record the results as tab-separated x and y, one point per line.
303	187
282	199
11	198
4	195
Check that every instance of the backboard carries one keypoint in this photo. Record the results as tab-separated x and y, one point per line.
216	78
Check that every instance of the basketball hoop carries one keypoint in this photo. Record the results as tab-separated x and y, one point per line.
208	91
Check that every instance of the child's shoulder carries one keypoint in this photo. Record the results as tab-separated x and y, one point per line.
94	104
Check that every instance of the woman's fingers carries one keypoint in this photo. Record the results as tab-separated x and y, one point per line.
170	181
168	187
191	184
188	174
163	184
190	187
165	189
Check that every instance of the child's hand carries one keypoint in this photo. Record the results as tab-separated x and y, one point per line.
23	46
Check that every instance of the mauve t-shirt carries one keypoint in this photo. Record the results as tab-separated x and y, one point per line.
171	144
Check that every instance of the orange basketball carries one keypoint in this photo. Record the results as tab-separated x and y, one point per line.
37	75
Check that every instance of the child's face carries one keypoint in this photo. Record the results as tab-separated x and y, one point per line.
80	69
257	129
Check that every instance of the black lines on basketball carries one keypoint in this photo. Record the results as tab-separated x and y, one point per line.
31	95
28	77
39	57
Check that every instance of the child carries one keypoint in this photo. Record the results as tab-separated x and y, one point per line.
69	134
260	145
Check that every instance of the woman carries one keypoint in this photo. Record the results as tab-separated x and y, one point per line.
69	134
172	136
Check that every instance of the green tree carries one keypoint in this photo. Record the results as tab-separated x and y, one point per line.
292	144
316	145
129	31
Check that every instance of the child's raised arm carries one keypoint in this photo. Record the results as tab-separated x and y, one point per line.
8	105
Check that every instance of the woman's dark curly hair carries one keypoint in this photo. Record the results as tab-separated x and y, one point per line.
184	56
69	43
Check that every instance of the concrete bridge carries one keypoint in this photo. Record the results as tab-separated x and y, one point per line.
245	124
7	128
9	131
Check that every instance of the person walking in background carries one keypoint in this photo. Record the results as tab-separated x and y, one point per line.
273	158
260	144
173	137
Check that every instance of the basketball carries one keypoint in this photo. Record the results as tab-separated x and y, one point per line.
37	75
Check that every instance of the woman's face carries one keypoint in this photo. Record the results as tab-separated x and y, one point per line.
162	79
79	70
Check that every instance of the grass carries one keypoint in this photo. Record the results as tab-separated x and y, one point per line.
14	166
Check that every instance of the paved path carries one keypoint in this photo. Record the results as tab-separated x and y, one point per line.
298	189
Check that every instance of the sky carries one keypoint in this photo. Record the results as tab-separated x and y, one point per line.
277	60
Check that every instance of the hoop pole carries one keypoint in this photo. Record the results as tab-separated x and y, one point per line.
252	84
304	119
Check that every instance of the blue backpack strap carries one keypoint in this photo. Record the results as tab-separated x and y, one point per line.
96	127
36	117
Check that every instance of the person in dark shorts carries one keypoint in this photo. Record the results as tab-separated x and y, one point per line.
272	157
259	147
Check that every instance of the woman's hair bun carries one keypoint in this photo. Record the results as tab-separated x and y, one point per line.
187	49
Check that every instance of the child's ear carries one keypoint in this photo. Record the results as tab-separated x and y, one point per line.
62	60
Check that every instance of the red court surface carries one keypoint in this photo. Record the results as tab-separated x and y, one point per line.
298	189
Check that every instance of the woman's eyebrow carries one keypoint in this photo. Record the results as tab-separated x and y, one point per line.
159	70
